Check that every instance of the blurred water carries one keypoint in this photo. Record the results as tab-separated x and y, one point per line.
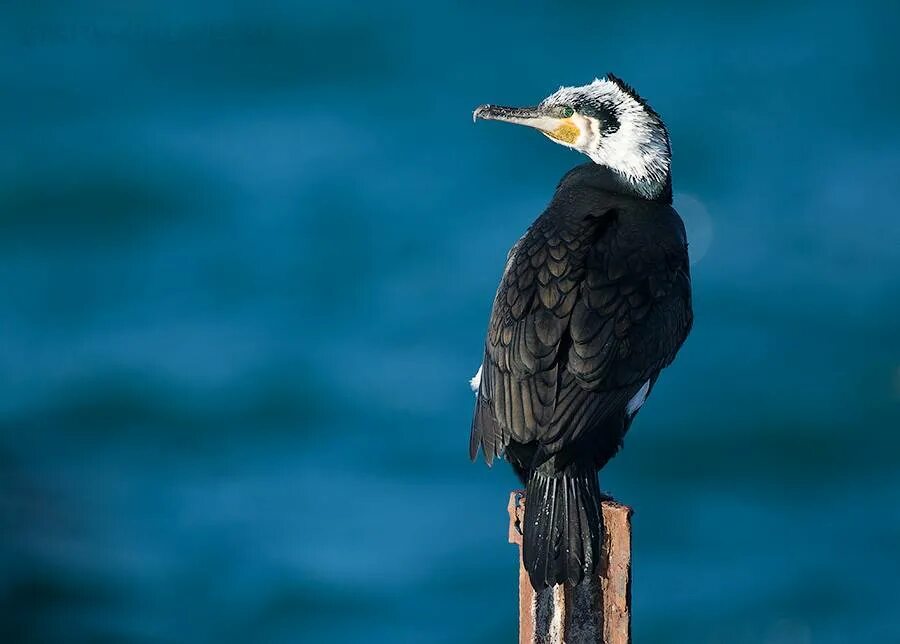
247	258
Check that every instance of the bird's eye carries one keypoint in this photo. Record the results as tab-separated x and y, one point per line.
567	112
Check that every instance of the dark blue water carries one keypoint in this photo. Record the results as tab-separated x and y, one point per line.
247	257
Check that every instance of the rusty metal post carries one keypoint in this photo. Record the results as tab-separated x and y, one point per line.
598	610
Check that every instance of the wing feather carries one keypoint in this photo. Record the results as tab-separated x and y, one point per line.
583	317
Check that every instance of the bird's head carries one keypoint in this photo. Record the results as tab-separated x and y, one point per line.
606	120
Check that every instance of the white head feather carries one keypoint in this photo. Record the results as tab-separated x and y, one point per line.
619	130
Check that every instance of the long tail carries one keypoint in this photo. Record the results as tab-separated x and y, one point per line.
563	526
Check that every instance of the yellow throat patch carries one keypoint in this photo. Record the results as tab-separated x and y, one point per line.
567	132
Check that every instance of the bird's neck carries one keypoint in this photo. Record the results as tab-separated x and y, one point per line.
652	189
605	178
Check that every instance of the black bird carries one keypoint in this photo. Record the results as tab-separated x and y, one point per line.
594	302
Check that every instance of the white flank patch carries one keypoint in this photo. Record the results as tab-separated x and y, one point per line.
637	400
475	382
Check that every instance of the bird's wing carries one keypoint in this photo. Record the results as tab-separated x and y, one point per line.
580	321
520	371
633	314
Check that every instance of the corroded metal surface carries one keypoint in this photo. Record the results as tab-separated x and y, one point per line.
596	610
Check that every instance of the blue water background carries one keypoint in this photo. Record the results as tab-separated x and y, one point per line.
247	256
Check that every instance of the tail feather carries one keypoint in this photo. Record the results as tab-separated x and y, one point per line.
563	526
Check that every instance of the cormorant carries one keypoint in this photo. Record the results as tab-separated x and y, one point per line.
595	300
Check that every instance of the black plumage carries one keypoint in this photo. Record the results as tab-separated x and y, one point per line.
594	302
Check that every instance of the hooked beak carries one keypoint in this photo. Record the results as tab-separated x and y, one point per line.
562	130
529	116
